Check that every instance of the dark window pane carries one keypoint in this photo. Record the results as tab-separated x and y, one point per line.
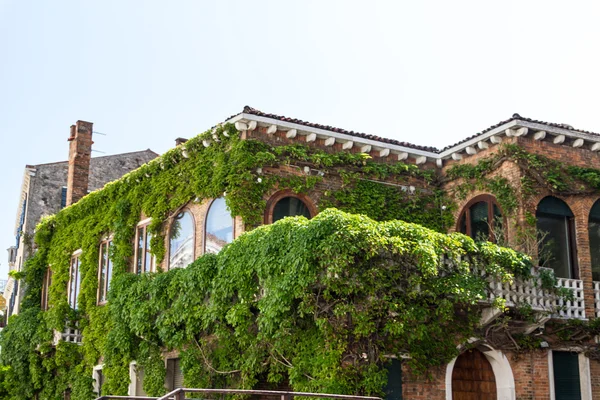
101	281
555	247
149	259
139	262
108	266
566	375
554	206
594	232
181	246
480	227
463	224
393	389
219	227
290	207
73	282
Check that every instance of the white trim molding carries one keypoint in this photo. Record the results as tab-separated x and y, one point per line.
505	381
585	379
96	371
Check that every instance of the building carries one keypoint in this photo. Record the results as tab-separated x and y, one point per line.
523	183
47	188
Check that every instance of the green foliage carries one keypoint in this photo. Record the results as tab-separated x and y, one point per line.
307	300
318	302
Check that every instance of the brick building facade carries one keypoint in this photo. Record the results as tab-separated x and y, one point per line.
550	371
47	188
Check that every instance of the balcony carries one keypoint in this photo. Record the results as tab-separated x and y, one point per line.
12	257
530	292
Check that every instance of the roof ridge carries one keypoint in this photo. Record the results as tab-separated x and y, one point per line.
515	116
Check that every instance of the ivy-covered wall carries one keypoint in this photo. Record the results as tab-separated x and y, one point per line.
319	304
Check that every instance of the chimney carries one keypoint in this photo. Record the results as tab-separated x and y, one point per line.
80	153
179	141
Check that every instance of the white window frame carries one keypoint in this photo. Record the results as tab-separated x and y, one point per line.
106	240
95	376
77	254
132	379
585	380
146	222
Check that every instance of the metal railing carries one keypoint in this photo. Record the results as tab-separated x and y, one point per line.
180	394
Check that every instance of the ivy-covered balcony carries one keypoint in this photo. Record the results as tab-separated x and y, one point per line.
543	293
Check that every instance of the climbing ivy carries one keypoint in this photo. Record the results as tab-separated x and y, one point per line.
318	303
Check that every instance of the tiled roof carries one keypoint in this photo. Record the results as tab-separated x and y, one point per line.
253	111
515	117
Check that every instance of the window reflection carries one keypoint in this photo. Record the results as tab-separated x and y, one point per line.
556	232
594	232
482	220
181	238
290	207
219	227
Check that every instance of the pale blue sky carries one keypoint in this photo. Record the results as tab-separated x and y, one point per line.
146	72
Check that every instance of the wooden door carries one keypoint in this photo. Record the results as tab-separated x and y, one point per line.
473	377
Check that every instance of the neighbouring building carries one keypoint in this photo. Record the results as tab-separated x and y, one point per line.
522	183
47	188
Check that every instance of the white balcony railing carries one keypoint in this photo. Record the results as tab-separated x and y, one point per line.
530	292
573	308
70	335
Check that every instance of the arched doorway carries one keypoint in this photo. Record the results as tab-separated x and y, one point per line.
473	377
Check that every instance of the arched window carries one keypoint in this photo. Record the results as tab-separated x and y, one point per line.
290	207
594	231
181	240
556	231
219	227
481	219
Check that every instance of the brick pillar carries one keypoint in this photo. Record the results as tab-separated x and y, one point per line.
581	210
80	153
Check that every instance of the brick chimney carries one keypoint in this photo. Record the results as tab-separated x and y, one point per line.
179	141
80	153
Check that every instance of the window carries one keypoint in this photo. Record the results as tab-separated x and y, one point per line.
105	270
219	227
98	377
556	231
46	288
393	389
290	207
594	232
567	383
139	381
174	376
74	279
181	240
481	219
144	261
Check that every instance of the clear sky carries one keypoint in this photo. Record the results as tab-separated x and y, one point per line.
147	72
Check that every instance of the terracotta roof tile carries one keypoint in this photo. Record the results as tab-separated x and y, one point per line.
253	111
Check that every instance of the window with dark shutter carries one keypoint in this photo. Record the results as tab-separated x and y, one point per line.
174	374
594	234
556	231
566	375
393	389
63	197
